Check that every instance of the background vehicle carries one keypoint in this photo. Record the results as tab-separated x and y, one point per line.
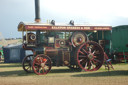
119	43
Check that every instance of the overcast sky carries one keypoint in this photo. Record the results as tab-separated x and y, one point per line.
111	12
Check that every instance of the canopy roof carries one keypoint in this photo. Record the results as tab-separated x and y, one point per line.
60	27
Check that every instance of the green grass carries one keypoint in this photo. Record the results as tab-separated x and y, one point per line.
13	74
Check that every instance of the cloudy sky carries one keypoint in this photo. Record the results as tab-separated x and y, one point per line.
111	12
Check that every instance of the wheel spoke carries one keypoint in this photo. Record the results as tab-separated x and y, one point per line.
28	68
82	56
86	46
83	61
93	61
81	52
37	63
39	69
85	51
47	67
86	65
36	68
89	65
90	50
80	60
43	70
97	60
93	52
92	65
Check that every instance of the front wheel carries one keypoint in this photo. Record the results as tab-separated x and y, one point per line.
41	64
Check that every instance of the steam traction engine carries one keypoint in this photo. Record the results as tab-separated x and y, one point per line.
60	45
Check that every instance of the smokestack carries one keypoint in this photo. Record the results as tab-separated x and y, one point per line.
37	10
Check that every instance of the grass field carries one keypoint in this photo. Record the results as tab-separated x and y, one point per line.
13	74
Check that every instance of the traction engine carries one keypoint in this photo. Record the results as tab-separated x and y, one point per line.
60	45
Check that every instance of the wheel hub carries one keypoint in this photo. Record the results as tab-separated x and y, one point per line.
42	64
90	56
79	39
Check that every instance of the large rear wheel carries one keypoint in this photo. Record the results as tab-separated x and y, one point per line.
90	56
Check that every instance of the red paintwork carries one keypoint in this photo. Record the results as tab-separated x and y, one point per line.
123	58
66	28
44	60
121	53
34	53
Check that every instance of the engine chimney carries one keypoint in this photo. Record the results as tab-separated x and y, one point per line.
37	11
